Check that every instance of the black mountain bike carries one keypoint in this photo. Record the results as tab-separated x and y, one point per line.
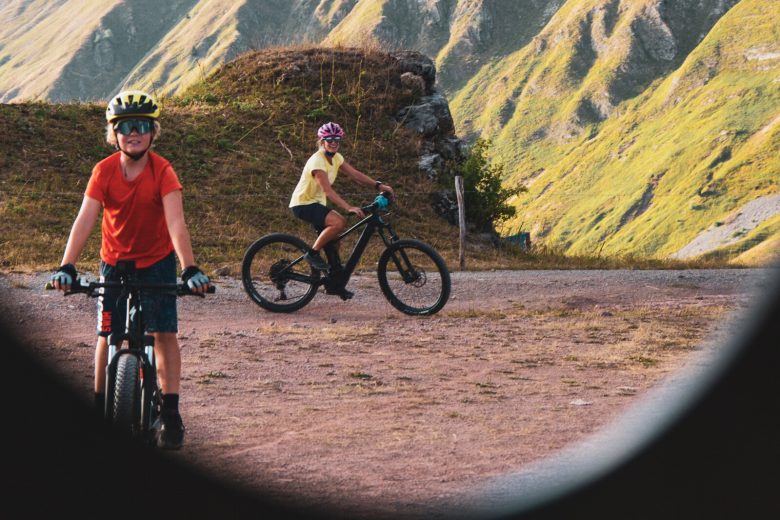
412	275
133	398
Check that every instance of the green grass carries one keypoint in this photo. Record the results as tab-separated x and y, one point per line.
238	141
695	142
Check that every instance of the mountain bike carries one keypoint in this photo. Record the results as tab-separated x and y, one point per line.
133	397
412	275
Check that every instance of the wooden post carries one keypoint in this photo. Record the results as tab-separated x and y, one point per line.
461	221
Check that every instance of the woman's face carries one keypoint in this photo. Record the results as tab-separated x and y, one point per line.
331	144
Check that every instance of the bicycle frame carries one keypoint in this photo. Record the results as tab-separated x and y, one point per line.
373	223
138	344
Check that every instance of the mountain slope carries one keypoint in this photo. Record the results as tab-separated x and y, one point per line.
76	50
38	40
170	45
460	35
628	146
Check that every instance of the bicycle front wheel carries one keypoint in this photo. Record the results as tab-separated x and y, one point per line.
414	278
126	405
275	275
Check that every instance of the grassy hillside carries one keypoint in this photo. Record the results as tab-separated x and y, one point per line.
39	39
238	141
638	127
88	49
620	156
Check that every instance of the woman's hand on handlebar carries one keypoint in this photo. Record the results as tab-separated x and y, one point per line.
357	211
386	188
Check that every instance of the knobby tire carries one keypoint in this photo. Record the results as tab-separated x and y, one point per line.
126	414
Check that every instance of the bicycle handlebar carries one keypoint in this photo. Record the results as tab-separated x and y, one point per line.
378	203
182	289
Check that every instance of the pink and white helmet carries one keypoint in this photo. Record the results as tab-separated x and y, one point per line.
330	130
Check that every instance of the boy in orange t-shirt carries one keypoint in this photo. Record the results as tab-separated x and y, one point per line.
143	221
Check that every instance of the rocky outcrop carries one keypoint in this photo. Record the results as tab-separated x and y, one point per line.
431	119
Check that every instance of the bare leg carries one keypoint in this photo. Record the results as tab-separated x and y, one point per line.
334	225
101	359
166	349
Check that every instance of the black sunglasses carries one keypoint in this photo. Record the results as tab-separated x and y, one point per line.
331	139
126	126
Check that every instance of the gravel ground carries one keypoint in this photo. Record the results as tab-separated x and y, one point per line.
353	404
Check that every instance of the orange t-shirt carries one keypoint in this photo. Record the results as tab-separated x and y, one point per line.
134	226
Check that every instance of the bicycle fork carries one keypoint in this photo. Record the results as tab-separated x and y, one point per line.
146	362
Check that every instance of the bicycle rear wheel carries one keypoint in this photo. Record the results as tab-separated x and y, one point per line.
126	405
275	276
414	278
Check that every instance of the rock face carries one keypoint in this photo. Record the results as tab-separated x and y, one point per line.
431	119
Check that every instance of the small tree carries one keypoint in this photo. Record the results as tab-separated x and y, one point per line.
485	198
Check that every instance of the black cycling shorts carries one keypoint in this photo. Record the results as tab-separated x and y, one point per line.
314	214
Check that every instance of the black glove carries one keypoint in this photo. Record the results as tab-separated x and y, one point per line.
194	277
65	275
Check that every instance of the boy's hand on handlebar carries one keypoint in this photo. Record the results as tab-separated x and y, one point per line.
64	277
195	279
357	211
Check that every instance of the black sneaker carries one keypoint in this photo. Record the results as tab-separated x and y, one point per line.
316	261
171	435
342	292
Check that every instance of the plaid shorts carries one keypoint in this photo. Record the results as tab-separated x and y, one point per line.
159	309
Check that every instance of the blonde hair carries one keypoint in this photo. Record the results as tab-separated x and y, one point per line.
111	134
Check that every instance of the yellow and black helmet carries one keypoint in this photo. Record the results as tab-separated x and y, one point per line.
132	103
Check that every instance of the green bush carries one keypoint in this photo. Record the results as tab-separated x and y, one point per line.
484	196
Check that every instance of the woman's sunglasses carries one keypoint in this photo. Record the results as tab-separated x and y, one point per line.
126	126
331	139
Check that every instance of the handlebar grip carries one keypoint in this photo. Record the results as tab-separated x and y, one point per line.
184	290
75	287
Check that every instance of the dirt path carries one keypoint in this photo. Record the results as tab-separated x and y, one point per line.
353	403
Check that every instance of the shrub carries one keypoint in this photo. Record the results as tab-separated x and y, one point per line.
484	196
